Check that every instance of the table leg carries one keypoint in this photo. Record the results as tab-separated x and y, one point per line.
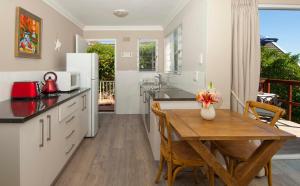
211	160
246	172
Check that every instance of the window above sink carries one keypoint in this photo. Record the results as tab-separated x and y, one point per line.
147	54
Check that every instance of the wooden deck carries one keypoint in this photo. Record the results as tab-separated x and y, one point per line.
293	146
106	108
106	105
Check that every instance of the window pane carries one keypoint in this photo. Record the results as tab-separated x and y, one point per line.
173	51
176	50
147	55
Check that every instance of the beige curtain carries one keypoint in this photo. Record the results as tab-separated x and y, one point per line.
245	52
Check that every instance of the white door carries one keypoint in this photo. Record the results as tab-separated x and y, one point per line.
81	44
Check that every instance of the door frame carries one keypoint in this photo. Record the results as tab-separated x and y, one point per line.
116	44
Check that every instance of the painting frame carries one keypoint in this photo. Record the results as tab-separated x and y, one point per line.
28	34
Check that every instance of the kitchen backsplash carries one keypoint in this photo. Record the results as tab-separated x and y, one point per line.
7	79
189	81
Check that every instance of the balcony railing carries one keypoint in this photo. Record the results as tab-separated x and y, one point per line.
107	90
265	86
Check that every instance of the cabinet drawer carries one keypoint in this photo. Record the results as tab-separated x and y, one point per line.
70	135
68	108
68	124
70	142
69	149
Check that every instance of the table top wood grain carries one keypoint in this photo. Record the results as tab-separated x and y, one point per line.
227	125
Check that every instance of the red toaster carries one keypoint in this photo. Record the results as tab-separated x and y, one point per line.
22	90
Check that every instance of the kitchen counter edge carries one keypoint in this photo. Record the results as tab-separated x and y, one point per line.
21	120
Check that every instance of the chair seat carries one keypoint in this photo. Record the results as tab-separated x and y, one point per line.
183	153
240	150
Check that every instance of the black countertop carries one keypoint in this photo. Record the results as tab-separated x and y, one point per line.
171	94
20	111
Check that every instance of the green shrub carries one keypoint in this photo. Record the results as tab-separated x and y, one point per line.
106	53
278	65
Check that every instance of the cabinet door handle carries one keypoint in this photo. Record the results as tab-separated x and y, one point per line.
144	96
42	128
83	103
73	117
68	136
49	128
73	145
72	105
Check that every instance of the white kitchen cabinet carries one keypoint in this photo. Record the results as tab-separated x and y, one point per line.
143	105
38	149
154	135
68	108
142	100
71	125
33	153
70	135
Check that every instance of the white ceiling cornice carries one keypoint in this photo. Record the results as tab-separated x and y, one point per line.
176	11
64	13
129	28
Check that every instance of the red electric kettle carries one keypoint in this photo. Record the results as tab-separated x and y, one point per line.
50	84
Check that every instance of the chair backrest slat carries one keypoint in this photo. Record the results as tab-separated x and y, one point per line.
252	106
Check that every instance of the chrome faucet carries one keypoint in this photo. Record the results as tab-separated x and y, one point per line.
159	77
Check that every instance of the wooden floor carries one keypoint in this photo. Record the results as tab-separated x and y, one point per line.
120	156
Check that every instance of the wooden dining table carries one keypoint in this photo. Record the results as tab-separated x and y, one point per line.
228	125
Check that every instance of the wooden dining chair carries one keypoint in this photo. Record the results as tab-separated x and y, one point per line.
177	154
236	152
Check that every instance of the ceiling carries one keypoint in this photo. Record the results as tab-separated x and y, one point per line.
99	12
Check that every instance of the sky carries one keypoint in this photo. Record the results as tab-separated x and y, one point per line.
284	25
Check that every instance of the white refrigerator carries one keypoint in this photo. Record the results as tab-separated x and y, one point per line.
87	65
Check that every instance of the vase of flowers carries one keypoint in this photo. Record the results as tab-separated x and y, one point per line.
207	98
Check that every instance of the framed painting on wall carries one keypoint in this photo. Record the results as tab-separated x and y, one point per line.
28	34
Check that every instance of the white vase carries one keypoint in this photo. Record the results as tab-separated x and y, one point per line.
208	113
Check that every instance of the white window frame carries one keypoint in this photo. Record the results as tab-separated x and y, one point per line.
169	43
156	54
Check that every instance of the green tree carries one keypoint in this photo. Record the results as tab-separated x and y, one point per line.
278	65
106	53
147	56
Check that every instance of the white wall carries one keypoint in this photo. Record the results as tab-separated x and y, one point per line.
206	31
193	20
128	91
7	79
54	26
218	56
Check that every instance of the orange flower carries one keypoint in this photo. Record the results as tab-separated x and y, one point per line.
207	98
